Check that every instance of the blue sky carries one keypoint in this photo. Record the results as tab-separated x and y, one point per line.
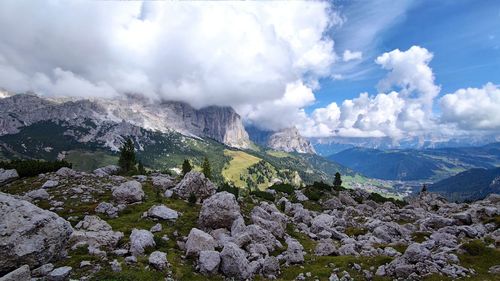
463	35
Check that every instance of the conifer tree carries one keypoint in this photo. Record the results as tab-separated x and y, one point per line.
140	168
127	156
206	168
186	167
337	182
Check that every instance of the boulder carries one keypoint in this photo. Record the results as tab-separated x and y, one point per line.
156	228
29	235
300	196
96	233
107	170
21	274
7	176
295	252
198	241
140	239
108	209
66	172
270	267
162	212
209	262
50	184
37	194
163	182
158	260
42	270
195	183
322	222
325	247
416	252
219	211
128	192
267	216
60	274
234	262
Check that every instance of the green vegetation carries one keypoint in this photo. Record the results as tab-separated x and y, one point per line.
31	168
205	168
474	247
238	166
263	195
283	187
84	160
229	188
127	159
186	167
337	182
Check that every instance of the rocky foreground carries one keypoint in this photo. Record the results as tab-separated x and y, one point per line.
100	226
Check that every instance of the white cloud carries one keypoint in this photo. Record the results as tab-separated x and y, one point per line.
405	111
473	108
349	56
240	54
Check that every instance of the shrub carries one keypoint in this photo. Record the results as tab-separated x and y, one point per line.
192	199
321	186
229	188
474	247
31	168
262	194
381	199
312	194
283	187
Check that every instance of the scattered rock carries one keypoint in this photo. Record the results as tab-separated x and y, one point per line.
50	184
42	270
158	260
20	274
37	194
209	262
107	170
195	183
115	266
66	172
198	241
162	212
234	262
59	274
219	211
128	192
29	235
108	209
7	176
156	228
139	240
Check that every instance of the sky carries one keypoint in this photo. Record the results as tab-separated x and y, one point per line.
343	68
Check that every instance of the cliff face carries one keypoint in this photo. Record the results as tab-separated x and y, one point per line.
222	124
288	140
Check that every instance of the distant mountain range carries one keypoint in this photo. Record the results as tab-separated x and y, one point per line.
288	139
413	164
331	145
470	185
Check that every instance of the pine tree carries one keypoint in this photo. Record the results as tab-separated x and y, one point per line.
140	169
206	168
337	182
127	156
424	188
186	167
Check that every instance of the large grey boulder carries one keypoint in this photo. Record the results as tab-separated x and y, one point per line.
95	232
140	239
209	262
37	194
128	192
158	260
163	182
107	170
107	208
295	252
66	172
325	247
219	211
50	184
198	241
234	262
270	267
29	235
269	217
60	274
195	183
7	176
21	274
162	212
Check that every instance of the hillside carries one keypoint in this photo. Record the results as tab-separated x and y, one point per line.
470	185
412	164
165	151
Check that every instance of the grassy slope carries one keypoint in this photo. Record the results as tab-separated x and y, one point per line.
238	165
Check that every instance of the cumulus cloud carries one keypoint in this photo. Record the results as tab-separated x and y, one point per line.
406	110
473	108
349	56
240	54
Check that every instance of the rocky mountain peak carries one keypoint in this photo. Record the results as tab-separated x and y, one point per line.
288	140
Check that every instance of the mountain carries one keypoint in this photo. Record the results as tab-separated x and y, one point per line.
470	185
331	145
287	139
412	164
222	124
